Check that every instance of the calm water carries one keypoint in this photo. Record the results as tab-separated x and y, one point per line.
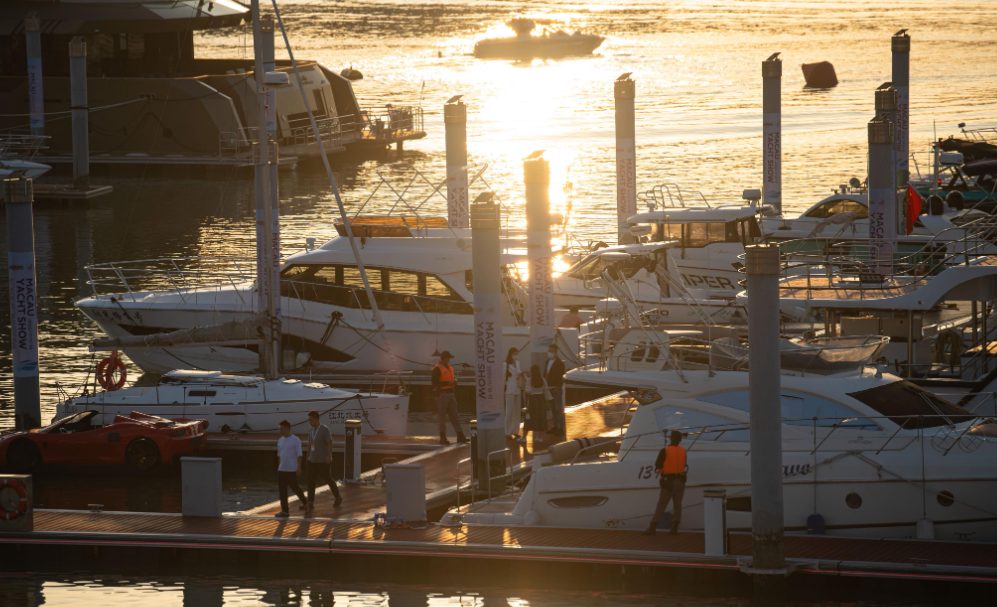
696	63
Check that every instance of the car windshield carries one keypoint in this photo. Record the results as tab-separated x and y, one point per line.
904	404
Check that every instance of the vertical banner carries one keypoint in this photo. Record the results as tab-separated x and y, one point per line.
457	196
882	196
489	393
36	96
260	198
772	183
541	297
880	246
455	134
536	175
23	313
626	181
624	96
901	138
772	132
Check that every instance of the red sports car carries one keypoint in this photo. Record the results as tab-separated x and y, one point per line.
139	441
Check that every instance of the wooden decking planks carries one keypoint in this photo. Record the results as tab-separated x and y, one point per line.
578	544
599	417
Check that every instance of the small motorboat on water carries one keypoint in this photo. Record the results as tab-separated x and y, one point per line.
245	403
525	45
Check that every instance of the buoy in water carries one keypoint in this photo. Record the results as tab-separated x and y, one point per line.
351	74
820	75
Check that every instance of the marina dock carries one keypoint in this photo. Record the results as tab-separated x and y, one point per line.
472	553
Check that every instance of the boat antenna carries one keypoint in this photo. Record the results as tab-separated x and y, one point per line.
332	181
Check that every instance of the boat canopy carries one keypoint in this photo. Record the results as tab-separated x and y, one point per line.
698	214
123	16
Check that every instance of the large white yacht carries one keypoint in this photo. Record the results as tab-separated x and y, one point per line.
421	275
422	287
246	403
869	452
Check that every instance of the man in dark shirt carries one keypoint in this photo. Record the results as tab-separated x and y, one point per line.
672	468
444	380
554	374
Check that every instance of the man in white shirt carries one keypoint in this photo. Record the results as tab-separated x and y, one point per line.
288	468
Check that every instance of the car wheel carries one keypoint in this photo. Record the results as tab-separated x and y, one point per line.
142	454
23	455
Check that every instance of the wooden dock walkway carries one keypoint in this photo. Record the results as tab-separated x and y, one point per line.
600	417
941	561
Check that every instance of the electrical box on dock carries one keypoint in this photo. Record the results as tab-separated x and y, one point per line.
202	486
405	492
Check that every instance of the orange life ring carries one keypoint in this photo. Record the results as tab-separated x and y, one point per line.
22	505
106	369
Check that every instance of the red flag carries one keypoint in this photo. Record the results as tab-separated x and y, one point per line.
914	204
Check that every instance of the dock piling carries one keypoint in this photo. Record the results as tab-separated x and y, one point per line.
882	195
772	132
489	395
36	90
900	47
455	125
762	265
269	65
536	175
23	302
624	93
80	118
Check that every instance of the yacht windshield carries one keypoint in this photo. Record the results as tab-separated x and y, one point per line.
903	403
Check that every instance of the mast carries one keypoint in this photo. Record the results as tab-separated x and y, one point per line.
332	182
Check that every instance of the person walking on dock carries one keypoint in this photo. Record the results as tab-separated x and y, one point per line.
288	467
515	381
537	406
320	459
672	470
555	382
444	380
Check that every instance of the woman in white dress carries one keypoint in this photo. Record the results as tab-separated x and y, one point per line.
514	378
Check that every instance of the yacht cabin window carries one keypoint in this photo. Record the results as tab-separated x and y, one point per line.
702	425
342	285
833	207
904	404
700	234
799	409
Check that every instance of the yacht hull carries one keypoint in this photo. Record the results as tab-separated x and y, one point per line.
381	413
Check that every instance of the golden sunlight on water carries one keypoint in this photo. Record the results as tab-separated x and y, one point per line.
696	64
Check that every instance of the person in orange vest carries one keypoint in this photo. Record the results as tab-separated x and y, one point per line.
672	470
444	379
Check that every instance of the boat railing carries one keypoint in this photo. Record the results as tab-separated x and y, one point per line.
14	144
412	193
671	195
330	130
943	437
391	122
180	275
832	264
620	349
985	135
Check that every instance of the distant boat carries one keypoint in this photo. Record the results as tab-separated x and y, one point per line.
527	46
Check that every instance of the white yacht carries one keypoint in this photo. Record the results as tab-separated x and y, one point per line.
420	273
868	451
246	403
711	242
422	287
